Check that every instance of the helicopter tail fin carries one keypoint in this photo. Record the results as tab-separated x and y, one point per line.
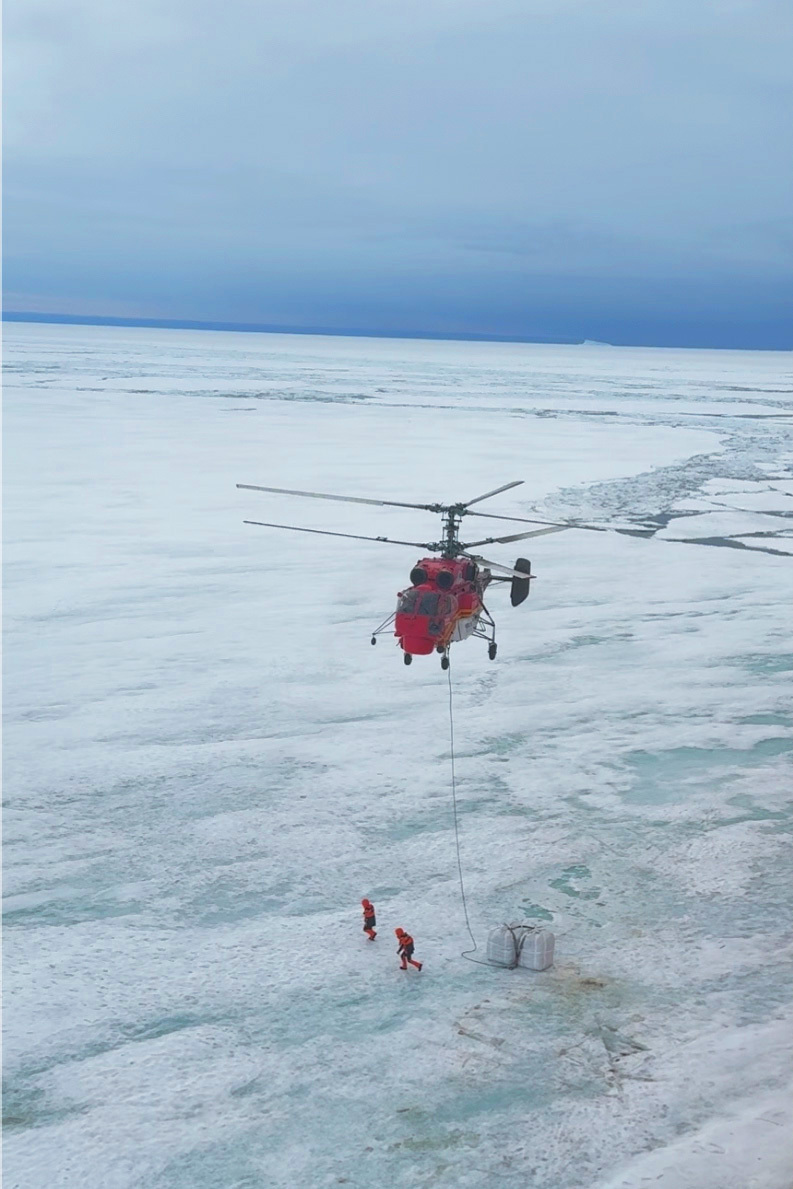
520	586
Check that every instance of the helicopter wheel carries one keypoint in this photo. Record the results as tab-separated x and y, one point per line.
374	639
407	658
492	650
444	662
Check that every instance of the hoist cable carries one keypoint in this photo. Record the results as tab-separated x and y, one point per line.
465	953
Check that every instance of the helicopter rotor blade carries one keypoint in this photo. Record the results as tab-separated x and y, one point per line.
592	528
538	532
587	528
496	491
344	499
321	532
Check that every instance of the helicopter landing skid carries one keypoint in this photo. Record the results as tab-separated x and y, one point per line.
486	630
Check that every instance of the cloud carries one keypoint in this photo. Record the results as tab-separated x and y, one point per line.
285	158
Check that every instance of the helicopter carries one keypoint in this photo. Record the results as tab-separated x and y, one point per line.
444	603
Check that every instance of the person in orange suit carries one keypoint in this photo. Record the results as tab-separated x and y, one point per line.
405	950
369	920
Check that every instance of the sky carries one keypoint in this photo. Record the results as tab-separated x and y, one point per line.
617	170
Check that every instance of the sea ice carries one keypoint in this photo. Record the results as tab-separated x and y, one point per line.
207	766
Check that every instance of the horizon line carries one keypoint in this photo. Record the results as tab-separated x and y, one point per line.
56	319
269	328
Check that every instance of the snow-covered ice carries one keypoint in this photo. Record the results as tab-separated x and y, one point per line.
207	766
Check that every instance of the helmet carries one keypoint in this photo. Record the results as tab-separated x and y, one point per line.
365	902
399	932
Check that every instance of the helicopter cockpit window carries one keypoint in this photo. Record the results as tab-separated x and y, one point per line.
429	603
407	603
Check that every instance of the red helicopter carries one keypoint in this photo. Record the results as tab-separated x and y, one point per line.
445	600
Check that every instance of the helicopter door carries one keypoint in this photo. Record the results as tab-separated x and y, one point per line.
465	625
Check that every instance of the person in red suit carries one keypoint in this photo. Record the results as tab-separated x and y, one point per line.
369	920
405	950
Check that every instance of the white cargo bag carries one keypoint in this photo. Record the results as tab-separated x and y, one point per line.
535	949
501	948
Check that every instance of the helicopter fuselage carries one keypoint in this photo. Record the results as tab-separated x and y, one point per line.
444	604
